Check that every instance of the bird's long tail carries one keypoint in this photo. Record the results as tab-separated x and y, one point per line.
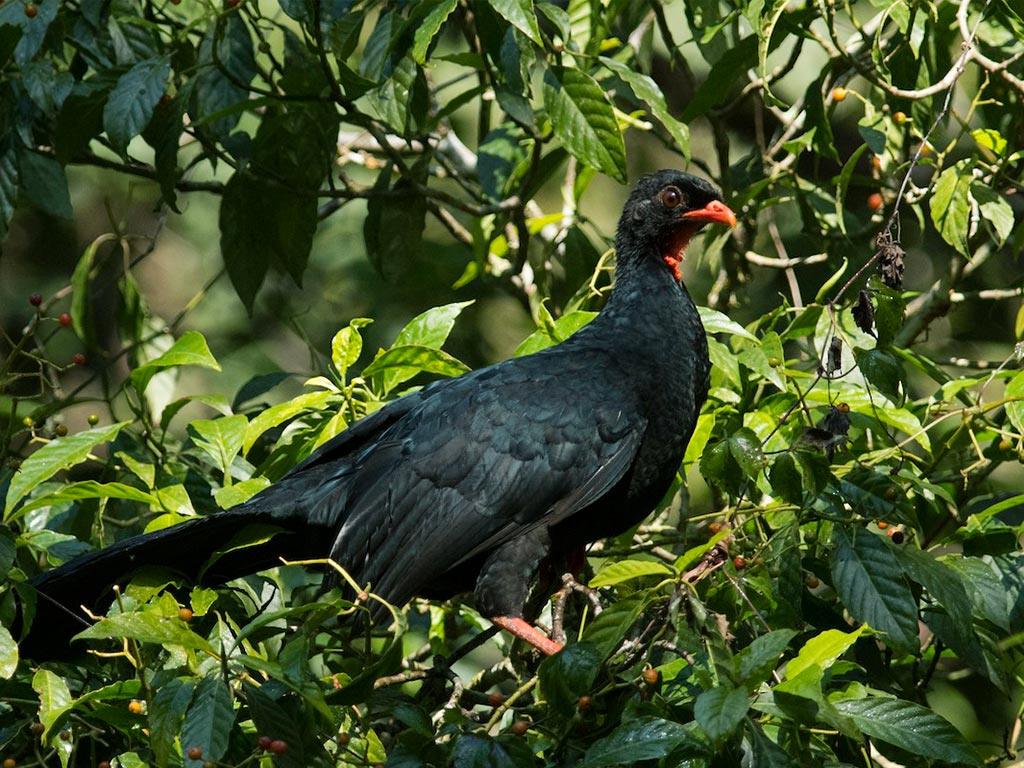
207	550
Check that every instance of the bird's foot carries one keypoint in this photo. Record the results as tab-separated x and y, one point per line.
529	633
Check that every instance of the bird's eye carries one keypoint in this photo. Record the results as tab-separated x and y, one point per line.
671	197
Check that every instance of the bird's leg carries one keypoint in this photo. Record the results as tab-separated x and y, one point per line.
525	631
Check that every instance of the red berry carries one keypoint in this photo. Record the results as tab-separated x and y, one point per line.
79	359
232	3
812	582
715	527
495	700
37	729
64	319
875	201
31	11
739	562
583	703
343	739
520	727
194	753
103	764
278	746
263	743
166	99
35	299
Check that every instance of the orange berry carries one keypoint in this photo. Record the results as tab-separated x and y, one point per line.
343	739
843	407
185	614
715	527
651	676
876	162
875	201
813	582
899	118
10	762
739	562
882	525
135	707
839	94
583	704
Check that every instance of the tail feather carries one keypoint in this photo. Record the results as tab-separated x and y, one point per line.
199	551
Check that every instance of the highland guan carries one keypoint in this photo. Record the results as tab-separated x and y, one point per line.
470	483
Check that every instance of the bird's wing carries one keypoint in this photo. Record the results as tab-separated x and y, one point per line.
474	464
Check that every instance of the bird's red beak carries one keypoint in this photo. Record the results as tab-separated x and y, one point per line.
715	212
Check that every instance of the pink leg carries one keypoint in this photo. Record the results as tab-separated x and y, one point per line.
526	632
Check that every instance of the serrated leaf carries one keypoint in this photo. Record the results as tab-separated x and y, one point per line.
208	721
59	454
720	711
870	583
645	738
951	205
130	104
627	570
190	349
584	120
520	14
910	727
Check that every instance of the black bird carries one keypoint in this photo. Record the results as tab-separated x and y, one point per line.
470	483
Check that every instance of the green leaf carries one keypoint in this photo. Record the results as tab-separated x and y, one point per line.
649	94
994	209
756	662
645	738
393	228
872	129
90	489
208	721
717	322
769	19
8	654
81	295
728	69
910	727
1015	407
60	454
730	463
720	711
221	439
130	104
520	14
619	571
429	329
44	183
990	139
822	650
165	713
414	359
190	349
429	27
871	585
237	493
8	180
146	626
347	345
951	205
568	675
882	369
54	703
557	332
277	414
607	630
584	120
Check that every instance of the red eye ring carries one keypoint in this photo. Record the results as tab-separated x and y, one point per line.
671	197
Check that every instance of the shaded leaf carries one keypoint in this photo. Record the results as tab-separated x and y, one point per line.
645	738
130	104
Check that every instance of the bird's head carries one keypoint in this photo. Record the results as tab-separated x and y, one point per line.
664	211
